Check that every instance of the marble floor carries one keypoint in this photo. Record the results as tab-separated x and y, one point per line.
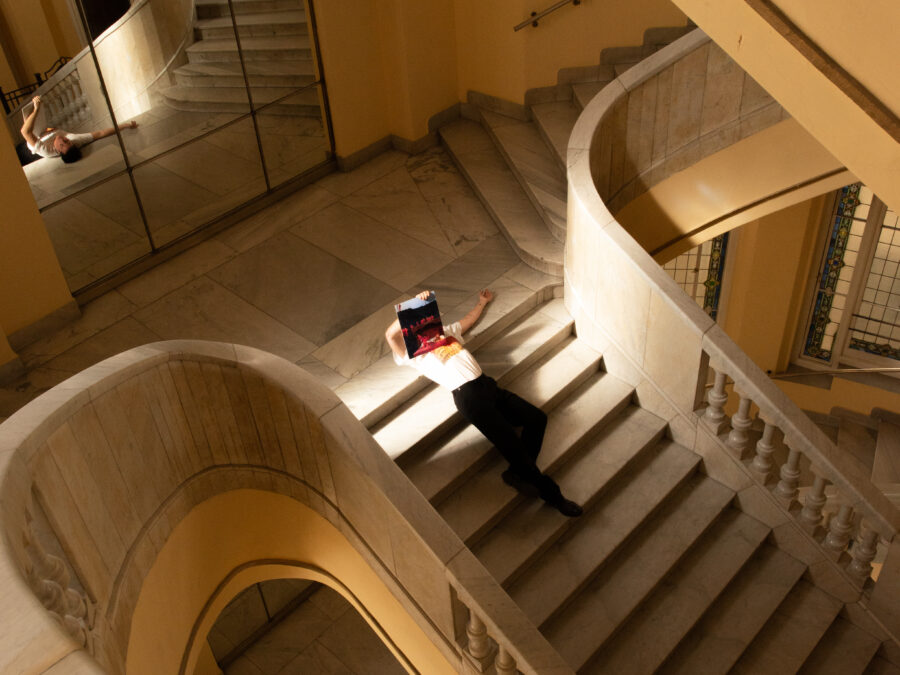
324	635
313	279
101	229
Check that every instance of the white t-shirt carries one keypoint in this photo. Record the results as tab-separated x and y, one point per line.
451	366
44	146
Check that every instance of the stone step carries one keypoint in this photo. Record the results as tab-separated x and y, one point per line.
234	99
289	48
219	8
880	666
728	627
495	184
289	22
791	634
569	565
555	122
484	500
644	641
598	609
845	649
382	387
886	464
293	74
530	529
425	417
453	459
583	92
534	166
858	441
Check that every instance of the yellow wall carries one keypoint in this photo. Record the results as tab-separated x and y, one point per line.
821	105
31	282
41	31
768	278
843	393
495	60
867	31
225	533
391	65
721	186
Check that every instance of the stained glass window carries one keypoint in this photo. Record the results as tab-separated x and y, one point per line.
847	225
875	327
699	272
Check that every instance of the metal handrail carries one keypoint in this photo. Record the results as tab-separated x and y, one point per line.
835	371
12	99
537	16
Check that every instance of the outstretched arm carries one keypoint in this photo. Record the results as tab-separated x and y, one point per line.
27	129
103	133
484	297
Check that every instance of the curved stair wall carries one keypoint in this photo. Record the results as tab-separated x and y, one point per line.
656	338
99	474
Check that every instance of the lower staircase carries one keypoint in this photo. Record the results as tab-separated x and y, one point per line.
663	572
277	50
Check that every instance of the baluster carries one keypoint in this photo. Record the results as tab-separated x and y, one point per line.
738	438
863	552
505	664
811	513
786	489
714	416
762	463
839	530
479	647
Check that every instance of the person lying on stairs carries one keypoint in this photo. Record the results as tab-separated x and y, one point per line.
494	411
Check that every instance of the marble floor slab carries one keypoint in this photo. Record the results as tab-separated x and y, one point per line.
206	310
314	293
387	254
323	636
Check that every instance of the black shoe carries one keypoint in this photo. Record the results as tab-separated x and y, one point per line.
515	481
566	507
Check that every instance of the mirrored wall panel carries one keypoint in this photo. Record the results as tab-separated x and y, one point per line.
198	182
173	114
97	232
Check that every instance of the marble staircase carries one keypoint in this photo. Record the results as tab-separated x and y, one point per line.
663	572
278	59
515	158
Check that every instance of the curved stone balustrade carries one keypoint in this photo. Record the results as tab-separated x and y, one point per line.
140	495
651	334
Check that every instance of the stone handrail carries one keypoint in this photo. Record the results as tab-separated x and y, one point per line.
656	337
98	474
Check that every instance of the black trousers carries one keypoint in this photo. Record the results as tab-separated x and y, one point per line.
497	414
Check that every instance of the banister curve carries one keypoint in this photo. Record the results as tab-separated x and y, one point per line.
97	473
652	334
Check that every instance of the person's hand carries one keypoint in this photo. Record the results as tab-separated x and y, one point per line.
37	101
485	296
132	124
424	295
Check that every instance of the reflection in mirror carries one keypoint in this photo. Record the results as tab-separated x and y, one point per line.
97	231
293	135
59	117
174	78
190	186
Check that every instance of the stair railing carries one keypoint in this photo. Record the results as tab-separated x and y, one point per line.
112	461
657	338
537	16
